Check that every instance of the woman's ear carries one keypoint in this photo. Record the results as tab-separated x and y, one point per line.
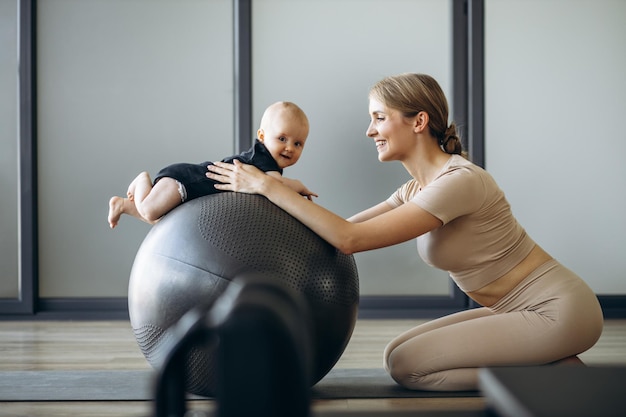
260	134
421	122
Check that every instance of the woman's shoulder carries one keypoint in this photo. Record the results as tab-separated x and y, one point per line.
458	177
461	188
459	166
458	161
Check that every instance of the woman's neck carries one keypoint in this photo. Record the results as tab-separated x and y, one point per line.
426	165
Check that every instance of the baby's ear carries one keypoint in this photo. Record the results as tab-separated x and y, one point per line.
260	134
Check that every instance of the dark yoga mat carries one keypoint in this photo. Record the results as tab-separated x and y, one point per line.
120	385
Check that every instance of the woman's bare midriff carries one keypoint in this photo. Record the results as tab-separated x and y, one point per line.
492	293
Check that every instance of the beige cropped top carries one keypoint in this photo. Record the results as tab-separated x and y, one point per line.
480	239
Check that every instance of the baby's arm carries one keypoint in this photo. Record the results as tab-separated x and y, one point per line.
295	185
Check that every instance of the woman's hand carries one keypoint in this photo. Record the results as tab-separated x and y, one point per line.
298	187
238	177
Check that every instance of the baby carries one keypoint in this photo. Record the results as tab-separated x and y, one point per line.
280	140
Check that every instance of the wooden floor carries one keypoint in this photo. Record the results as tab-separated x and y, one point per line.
75	345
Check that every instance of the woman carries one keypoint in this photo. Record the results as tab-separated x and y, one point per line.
535	311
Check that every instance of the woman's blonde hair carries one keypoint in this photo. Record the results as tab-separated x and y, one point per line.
412	93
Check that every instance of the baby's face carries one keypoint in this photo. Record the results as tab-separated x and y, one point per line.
285	139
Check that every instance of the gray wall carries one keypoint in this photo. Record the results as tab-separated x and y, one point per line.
134	85
131	85
326	61
8	150
124	86
555	140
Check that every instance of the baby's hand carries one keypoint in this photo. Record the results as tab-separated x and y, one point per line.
298	187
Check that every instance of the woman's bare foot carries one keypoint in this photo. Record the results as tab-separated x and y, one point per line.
116	209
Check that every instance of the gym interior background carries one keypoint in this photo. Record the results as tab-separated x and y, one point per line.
94	92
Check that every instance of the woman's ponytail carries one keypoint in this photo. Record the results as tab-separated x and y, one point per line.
450	142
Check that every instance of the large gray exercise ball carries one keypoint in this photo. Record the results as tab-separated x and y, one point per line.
192	254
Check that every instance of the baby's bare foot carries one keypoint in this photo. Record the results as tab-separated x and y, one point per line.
116	209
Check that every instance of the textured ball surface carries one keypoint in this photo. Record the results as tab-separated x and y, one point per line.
191	255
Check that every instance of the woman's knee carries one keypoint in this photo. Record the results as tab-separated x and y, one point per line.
462	379
387	353
403	366
397	368
414	379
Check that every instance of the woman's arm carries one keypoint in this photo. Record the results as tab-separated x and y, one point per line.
370	213
295	185
388	228
298	187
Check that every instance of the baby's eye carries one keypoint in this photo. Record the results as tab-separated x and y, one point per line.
282	139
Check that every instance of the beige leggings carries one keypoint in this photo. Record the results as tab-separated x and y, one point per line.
551	315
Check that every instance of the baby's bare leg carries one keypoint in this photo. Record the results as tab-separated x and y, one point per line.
162	198
139	188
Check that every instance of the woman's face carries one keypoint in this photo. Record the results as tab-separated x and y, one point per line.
391	131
